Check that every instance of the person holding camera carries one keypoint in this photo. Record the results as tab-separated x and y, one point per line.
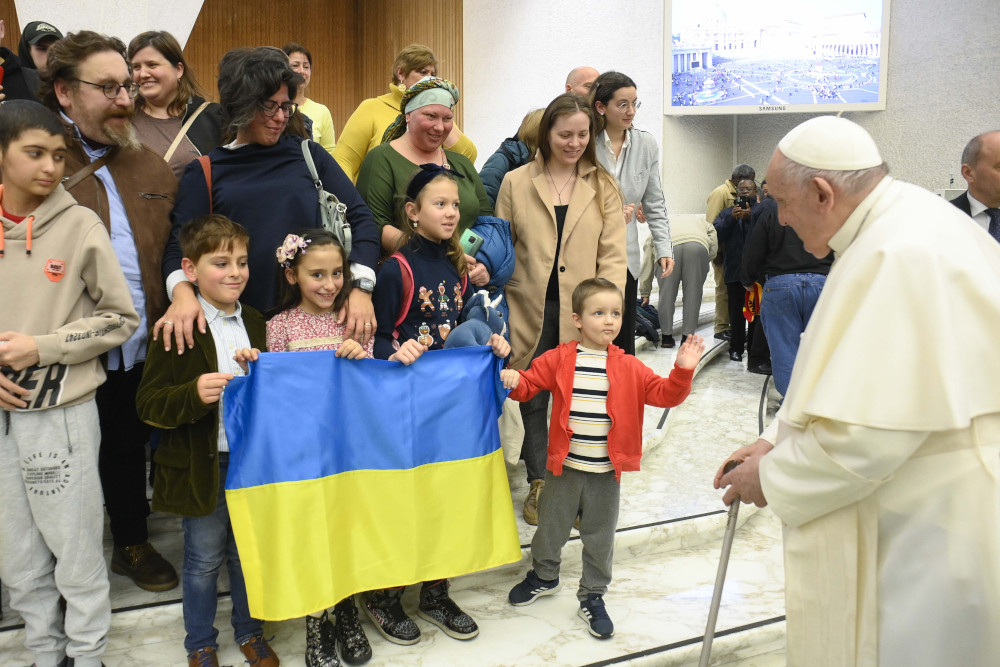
733	227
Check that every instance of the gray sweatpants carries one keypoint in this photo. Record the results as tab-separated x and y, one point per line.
51	532
595	496
691	269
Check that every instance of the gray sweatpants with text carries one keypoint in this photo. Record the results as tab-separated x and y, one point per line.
51	532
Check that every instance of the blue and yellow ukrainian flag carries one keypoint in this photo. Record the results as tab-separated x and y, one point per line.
348	476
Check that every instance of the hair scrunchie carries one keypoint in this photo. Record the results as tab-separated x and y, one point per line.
429	90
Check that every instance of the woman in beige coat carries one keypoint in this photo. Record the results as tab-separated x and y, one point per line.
567	224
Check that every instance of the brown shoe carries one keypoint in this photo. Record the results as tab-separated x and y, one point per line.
259	654
531	502
145	566
204	657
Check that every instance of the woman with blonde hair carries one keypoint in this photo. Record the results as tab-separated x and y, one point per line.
565	215
171	115
365	127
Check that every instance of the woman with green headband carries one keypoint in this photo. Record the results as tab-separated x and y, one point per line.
417	137
365	127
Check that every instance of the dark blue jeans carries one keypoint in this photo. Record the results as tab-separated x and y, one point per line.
207	541
786	306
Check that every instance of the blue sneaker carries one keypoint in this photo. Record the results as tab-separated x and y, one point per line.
531	588
593	612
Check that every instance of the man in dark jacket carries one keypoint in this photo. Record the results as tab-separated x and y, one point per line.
19	82
132	189
36	39
793	279
981	169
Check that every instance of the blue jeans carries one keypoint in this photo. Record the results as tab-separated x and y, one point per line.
207	541
786	306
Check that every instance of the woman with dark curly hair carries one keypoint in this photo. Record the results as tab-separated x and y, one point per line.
172	117
261	180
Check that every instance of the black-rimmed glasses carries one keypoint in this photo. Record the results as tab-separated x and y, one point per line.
111	88
269	108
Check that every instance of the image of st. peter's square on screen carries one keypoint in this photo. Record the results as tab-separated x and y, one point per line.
733	56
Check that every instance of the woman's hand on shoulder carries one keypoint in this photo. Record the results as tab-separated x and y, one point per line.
501	347
351	349
408	352
358	316
180	318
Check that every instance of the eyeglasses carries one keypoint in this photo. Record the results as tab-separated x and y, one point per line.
111	89
270	108
623	106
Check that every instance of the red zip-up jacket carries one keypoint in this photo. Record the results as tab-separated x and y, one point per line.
632	386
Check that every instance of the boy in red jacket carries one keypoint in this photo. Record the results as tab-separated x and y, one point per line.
598	397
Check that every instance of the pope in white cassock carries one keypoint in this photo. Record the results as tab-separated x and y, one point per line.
882	462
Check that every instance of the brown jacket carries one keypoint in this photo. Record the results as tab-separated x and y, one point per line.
147	188
593	244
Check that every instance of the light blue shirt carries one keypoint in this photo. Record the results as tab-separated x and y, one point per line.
229	334
133	351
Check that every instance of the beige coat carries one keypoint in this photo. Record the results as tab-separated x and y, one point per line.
593	244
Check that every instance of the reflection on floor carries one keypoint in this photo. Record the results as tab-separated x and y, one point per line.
669	535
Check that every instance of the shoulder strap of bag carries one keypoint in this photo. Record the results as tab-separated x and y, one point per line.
407	276
86	171
206	167
312	165
183	133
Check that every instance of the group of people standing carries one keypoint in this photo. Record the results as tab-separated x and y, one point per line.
197	195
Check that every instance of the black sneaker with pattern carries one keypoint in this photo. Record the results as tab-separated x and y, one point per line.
321	648
385	610
351	640
437	607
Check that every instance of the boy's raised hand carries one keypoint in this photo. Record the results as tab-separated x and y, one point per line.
245	356
210	386
351	349
510	378
690	352
500	346
408	352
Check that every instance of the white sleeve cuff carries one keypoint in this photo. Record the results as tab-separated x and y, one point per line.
358	271
175	278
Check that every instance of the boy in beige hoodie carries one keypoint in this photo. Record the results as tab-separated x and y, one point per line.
64	302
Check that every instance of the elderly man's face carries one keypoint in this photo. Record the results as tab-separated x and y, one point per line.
800	206
582	80
984	176
99	118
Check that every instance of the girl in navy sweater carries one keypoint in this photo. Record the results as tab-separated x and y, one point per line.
418	298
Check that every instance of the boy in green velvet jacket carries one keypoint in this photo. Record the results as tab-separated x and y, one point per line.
181	394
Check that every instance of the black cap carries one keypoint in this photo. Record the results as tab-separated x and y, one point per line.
36	31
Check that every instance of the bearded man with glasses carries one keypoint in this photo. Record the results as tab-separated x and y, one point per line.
87	81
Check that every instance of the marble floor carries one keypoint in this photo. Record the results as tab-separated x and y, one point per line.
667	551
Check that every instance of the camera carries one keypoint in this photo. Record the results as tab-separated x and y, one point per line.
745	201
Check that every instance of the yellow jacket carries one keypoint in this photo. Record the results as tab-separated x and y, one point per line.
366	126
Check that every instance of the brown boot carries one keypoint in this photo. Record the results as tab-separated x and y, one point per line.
531	502
258	653
145	566
204	657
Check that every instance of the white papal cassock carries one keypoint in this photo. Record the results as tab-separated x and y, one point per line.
885	470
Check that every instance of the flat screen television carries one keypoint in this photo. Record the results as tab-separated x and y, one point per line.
774	56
